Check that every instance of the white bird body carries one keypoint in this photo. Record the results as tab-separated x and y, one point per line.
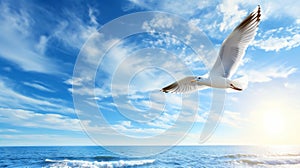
230	55
214	81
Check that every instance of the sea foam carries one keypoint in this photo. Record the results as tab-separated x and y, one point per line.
268	160
96	164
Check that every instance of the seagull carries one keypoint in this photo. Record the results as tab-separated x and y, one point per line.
230	55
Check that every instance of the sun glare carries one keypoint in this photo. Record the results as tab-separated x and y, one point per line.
274	123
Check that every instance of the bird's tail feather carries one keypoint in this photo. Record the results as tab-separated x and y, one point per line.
241	83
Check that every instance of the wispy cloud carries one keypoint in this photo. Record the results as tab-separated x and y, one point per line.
73	31
174	6
38	86
279	38
43	138
290	85
266	74
17	44
128	129
289	9
132	74
228	14
28	49
93	18
8	130
26	118
231	14
15	99
233	119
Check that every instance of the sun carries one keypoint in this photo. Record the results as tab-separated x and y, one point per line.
274	123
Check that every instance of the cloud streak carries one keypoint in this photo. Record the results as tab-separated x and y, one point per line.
38	86
26	118
17	44
266	74
28	49
279	39
14	99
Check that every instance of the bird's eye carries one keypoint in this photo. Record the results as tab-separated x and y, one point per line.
199	77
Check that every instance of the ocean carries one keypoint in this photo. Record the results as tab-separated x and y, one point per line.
179	156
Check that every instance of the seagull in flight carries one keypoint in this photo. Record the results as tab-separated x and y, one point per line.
230	56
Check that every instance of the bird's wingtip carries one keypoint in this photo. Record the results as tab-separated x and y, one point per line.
258	8
163	90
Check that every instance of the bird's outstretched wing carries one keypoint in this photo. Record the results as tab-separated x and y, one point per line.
184	85
233	48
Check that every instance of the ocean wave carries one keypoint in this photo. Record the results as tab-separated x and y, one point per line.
96	164
239	155
94	158
105	158
271	161
286	154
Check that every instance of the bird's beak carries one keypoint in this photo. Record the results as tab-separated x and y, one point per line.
193	80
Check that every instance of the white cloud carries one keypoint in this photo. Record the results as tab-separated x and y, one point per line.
232	119
159	22
14	99
232	15
73	31
227	13
42	45
199	118
277	43
187	8
190	8
92	16
279	38
91	91
125	127
74	81
42	139
147	69
38	86
8	130
121	67
17	20
290	85
126	123
277	9
228	118
165	121
26	118
27	48
17	44
266	74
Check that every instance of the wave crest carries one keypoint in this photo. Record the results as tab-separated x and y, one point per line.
96	164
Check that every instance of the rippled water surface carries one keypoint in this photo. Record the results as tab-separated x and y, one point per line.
180	156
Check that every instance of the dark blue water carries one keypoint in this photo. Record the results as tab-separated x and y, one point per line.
181	156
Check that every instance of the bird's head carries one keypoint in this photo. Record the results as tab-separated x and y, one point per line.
197	79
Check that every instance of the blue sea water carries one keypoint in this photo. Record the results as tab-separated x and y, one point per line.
179	156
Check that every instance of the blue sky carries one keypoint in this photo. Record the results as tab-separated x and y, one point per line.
46	47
